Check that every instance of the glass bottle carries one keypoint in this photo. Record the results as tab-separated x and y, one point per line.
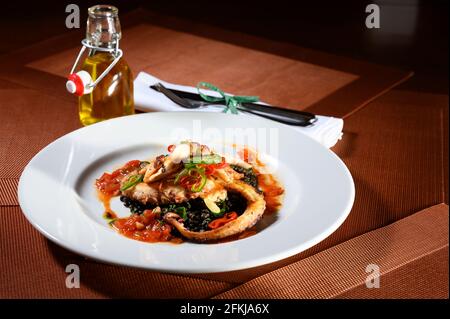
113	95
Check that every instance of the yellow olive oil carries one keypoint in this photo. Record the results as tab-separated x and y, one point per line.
113	95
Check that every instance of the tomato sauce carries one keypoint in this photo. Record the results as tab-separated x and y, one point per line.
106	201
270	187
146	227
109	183
272	192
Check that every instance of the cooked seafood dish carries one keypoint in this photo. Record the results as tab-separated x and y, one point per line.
191	193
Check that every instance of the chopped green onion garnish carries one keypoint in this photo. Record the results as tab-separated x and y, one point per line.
132	180
185	171
202	183
191	169
206	159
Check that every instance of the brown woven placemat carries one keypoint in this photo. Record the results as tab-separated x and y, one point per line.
402	176
342	269
33	267
187	52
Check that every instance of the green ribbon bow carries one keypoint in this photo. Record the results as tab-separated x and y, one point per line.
231	101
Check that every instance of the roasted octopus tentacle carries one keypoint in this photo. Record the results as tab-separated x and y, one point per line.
253	213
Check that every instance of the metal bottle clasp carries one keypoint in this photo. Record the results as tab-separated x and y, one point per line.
87	84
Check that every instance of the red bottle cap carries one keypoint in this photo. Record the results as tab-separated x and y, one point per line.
77	83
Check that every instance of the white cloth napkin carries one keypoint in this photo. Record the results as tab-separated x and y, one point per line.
326	130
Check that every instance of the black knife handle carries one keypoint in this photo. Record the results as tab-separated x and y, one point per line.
286	116
279	110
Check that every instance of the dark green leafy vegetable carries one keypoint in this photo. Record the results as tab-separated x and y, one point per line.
135	206
195	213
182	212
249	176
223	207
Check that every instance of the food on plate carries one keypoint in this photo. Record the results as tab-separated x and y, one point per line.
190	193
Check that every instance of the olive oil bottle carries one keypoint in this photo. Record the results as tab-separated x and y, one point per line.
105	83
113	95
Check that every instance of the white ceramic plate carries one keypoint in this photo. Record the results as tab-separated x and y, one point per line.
57	195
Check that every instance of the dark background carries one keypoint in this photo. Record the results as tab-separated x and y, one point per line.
413	35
